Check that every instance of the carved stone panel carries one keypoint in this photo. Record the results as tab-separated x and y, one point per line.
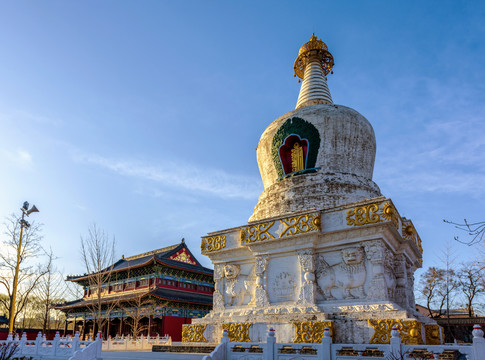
238	287
376	254
344	280
307	289
260	297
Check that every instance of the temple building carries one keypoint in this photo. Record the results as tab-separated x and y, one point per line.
323	247
150	293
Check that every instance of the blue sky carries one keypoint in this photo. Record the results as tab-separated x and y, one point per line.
144	116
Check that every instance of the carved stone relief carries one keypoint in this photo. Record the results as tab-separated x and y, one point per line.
284	286
218	297
260	297
307	266
375	252
348	276
410	286
400	295
389	274
238	287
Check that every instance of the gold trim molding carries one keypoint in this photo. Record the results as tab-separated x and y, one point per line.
384	211
293	225
193	333
258	232
373	213
410	331
238	332
213	243
311	331
301	224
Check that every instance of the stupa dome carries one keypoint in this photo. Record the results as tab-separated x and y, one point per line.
320	155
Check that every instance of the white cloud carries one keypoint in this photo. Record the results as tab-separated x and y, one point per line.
445	153
20	157
184	176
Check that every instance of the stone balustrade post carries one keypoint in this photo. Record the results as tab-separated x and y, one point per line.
10	337
478	343
99	345
325	352
22	342
225	344
395	342
55	343
75	342
270	345
38	343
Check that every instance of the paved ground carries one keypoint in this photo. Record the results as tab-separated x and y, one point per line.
141	355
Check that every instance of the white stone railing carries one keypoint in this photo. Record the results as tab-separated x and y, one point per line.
59	347
326	350
129	344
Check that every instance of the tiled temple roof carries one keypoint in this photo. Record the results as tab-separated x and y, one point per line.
161	256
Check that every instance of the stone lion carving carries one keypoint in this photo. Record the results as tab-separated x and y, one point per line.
348	275
238	286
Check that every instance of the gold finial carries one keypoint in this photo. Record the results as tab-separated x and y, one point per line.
314	49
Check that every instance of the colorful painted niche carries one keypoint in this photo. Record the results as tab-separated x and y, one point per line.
295	147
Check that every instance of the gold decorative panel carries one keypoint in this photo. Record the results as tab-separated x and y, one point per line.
238	332
410	331
183	256
311	331
301	224
193	333
213	243
362	215
432	334
373	213
409	232
389	213
258	232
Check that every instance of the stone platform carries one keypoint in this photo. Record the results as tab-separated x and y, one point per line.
349	268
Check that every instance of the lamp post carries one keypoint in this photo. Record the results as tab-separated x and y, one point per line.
23	224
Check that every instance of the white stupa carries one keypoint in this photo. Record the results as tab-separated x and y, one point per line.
323	246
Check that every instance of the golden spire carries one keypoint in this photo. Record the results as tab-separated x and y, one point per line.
313	50
314	62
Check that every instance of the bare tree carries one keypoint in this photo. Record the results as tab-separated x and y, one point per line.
49	291
29	273
98	256
437	287
136	310
470	280
476	231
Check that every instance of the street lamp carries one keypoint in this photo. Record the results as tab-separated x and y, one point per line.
23	224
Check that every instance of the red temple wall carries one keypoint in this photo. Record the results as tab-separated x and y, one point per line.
172	325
